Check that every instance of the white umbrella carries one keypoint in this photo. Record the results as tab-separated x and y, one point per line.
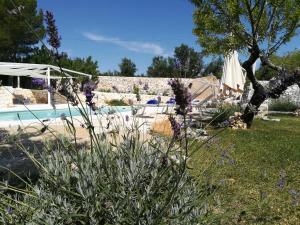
233	78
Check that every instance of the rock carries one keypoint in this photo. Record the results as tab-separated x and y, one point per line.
201	132
297	112
237	114
265	118
235	122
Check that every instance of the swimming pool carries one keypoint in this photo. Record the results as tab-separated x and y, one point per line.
50	113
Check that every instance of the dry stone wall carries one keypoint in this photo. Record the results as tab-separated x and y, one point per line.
147	85
291	94
6	97
10	96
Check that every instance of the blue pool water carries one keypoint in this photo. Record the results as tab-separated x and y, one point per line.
48	113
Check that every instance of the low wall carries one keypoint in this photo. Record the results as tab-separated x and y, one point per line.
41	96
101	98
6	97
291	94
10	96
147	85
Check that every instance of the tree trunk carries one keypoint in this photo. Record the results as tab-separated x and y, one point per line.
276	86
259	94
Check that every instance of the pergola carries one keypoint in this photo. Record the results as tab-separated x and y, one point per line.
37	71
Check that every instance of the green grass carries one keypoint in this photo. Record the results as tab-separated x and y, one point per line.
247	192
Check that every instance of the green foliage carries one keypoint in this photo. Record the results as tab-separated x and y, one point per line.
186	63
110	73
162	67
104	90
224	112
85	65
136	91
189	61
16	38
283	105
116	102
289	61
215	67
223	26
127	68
118	179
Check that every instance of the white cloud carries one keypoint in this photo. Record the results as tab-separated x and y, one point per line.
135	46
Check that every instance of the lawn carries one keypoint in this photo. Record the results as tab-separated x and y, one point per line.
253	176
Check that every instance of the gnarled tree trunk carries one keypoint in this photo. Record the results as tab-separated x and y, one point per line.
276	86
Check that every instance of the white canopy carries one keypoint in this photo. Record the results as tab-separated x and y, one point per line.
233	78
36	71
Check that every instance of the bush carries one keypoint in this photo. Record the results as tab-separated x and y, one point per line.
117	178
282	105
104	90
117	102
224	112
133	182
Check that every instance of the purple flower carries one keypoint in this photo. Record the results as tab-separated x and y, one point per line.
295	197
48	88
159	99
38	82
88	89
126	118
183	97
115	88
282	180
54	39
9	210
130	102
146	87
175	127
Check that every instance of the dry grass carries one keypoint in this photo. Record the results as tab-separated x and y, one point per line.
162	127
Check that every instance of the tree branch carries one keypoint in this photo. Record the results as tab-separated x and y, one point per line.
260	15
265	61
282	82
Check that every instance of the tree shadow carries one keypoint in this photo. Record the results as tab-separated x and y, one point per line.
14	160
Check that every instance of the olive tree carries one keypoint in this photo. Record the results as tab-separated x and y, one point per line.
255	27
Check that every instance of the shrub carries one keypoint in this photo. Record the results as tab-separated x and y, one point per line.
224	112
133	182
282	105
118	178
104	90
116	102
136	91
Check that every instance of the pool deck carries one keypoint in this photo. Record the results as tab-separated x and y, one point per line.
145	117
32	107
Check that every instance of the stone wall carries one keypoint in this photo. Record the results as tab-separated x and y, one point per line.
6	97
10	96
21	95
292	93
102	98
41	96
147	85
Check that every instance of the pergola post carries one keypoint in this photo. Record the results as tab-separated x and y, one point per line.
49	85
18	81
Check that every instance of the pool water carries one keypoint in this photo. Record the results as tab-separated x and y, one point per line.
49	113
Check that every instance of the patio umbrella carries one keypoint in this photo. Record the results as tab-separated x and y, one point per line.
233	78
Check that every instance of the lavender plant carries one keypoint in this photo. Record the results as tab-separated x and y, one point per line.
117	178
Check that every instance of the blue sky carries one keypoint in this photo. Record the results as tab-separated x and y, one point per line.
109	30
